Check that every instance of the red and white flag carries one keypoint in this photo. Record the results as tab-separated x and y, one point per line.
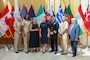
4	15
85	16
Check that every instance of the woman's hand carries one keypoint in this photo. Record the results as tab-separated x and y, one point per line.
40	35
51	33
36	29
48	35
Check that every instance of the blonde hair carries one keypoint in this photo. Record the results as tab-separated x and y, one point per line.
34	19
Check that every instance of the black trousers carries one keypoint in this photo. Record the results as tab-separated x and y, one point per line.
74	47
53	40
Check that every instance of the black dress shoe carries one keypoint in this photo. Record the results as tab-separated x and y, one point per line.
55	52
61	51
52	51
26	52
64	54
73	55
16	52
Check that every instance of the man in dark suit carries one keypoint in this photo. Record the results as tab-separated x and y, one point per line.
74	35
53	34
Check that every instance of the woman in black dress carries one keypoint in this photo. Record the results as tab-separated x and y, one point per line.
44	33
34	36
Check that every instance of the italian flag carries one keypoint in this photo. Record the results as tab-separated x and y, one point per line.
40	14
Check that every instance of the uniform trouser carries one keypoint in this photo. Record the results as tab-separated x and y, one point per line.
53	40
17	41
26	41
74	47
64	43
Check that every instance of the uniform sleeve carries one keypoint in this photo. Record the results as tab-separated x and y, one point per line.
29	22
66	25
57	25
22	23
14	25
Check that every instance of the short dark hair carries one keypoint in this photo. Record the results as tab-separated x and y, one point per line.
25	17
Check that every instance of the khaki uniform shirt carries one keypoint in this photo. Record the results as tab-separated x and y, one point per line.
17	25
63	26
26	25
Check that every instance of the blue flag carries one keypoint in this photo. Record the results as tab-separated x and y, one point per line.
59	15
23	12
31	13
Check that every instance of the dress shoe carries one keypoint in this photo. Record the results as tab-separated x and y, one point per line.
26	52
16	52
61	51
52	51
73	55
64	54
55	52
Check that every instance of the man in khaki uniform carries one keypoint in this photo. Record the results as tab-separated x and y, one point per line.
64	34
17	34
25	27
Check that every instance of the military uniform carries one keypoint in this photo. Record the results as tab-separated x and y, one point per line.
53	37
17	36
64	36
26	25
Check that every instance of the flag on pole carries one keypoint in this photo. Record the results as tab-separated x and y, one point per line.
4	15
85	16
23	11
80	17
31	13
10	23
84	5
16	12
69	13
49	12
59	15
40	14
80	22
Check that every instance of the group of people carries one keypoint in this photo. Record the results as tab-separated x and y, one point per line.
32	33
